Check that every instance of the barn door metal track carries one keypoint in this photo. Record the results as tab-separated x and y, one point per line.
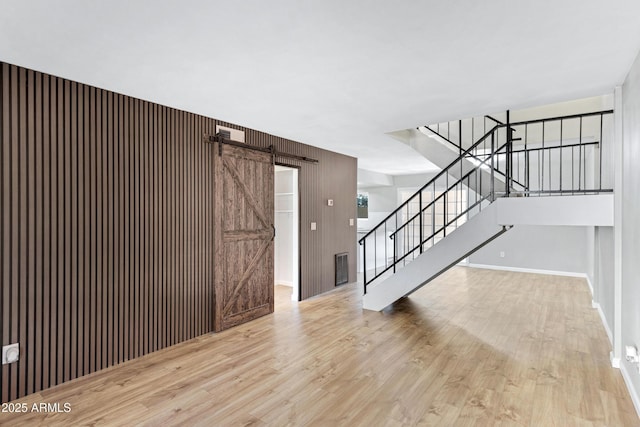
221	138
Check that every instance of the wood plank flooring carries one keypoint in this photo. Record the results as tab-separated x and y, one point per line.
474	347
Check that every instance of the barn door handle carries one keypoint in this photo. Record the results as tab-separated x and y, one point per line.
274	232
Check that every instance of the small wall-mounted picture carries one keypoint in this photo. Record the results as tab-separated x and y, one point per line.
363	205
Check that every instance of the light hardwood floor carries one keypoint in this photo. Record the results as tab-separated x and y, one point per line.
474	347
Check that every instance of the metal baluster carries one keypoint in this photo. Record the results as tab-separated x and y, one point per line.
444	211
478	194
560	177
573	173
580	159
386	258
364	263
527	166
420	220
539	152
395	243
433	219
508	157
375	254
518	168
600	147
492	195
405	244
542	163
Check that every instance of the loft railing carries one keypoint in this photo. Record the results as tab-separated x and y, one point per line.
558	155
464	131
564	155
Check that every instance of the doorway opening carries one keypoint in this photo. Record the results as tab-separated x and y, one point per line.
287	224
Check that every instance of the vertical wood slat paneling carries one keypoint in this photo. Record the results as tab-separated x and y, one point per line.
89	238
31	226
106	235
4	219
14	309
75	234
90	220
58	236
118	258
46	233
93	280
66	233
101	234
23	244
36	381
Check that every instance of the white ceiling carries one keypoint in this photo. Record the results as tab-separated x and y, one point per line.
334	74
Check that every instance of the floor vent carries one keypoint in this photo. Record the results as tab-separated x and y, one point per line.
342	269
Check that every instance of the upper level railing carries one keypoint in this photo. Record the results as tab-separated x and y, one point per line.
558	155
464	130
463	133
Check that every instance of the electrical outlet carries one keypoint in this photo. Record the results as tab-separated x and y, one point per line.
351	222
501	254
313	226
10	353
330	202
631	353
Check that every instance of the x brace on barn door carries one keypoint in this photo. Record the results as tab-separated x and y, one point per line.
222	138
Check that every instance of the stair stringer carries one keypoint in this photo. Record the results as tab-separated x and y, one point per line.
460	243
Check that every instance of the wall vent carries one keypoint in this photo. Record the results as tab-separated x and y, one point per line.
342	268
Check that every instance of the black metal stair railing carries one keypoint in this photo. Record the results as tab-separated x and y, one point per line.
436	209
558	155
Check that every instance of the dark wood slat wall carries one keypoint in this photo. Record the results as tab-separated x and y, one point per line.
89	228
106	235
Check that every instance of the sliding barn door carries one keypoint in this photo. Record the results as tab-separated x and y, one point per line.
243	235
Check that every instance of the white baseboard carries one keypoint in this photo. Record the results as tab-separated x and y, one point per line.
615	361
283	283
632	391
533	270
604	320
537	271
586	276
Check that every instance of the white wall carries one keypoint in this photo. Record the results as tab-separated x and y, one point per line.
584	105
602	274
550	248
479	126
630	325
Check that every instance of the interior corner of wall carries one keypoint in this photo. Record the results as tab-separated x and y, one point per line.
633	392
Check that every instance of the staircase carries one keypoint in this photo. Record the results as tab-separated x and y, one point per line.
488	185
